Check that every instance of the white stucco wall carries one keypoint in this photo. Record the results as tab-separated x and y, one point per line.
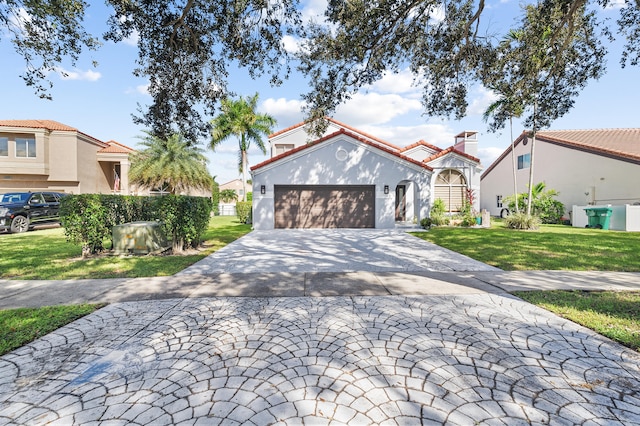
321	165
580	177
470	169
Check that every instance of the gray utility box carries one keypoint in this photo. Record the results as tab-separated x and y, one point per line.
138	238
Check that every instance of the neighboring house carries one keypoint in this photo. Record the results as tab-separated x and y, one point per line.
47	155
350	179
228	208
586	167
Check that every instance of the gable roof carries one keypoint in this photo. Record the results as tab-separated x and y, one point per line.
619	144
116	148
339	124
352	135
50	125
421	143
38	124
444	152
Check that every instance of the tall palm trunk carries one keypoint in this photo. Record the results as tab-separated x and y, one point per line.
244	175
513	160
533	144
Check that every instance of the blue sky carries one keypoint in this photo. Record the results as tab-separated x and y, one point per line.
100	101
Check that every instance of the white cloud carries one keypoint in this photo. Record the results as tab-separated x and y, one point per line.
401	82
488	155
374	108
440	135
291	44
481	101
88	75
286	111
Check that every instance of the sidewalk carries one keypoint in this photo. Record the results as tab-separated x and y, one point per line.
15	294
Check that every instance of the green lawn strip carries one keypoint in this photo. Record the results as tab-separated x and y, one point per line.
45	254
552	247
614	314
21	326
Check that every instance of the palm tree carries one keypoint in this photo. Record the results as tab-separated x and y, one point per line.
240	119
173	165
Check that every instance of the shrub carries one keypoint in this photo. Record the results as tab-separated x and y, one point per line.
85	222
243	211
543	204
439	207
426	222
522	221
88	219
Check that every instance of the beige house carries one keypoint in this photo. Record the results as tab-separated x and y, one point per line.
587	167
47	155
228	208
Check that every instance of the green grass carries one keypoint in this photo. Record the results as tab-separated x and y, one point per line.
552	247
45	254
21	326
615	315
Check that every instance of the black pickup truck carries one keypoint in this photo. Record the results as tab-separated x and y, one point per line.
21	211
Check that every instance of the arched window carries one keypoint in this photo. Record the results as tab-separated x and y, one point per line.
450	187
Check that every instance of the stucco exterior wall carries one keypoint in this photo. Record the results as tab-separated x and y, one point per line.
471	171
580	177
322	165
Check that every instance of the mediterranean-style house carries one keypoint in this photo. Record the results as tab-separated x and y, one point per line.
350	179
47	155
587	167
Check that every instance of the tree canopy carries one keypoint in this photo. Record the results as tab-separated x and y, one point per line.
187	49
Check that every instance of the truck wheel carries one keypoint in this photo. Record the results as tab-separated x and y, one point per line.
19	224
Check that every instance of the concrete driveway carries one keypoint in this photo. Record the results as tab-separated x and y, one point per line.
453	358
333	250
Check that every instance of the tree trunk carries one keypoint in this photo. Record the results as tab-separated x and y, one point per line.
513	160
533	144
244	175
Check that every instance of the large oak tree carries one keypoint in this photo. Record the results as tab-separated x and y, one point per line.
188	47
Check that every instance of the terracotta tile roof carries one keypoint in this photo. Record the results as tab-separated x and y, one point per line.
420	143
340	124
351	135
620	144
38	124
449	150
116	148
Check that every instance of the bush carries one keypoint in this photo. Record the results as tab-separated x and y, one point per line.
426	222
439	207
88	219
243	211
522	221
543	204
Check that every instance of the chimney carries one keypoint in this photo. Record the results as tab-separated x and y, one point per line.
467	142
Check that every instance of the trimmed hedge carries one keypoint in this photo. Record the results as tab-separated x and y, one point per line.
88	219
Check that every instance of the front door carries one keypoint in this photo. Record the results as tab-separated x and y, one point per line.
401	203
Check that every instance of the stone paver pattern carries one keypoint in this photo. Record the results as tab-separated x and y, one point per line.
459	360
333	250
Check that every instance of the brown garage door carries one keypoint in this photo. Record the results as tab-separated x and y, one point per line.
324	206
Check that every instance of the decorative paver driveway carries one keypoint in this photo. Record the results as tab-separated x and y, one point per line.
333	250
474	359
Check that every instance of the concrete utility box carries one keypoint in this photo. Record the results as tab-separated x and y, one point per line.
138	238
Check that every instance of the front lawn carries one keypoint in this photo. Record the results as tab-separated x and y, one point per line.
614	314
45	254
552	247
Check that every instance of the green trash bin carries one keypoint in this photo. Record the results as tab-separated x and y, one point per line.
599	217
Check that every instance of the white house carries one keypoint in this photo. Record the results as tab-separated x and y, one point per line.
586	167
349	179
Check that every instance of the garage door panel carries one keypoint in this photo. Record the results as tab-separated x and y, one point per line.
319	206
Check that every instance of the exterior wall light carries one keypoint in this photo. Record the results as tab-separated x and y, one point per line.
263	189
386	189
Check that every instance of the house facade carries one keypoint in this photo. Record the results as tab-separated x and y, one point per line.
586	167
350	179
47	155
